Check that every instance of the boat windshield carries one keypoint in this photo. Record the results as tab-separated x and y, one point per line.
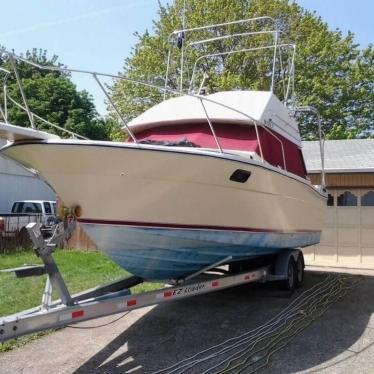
231	137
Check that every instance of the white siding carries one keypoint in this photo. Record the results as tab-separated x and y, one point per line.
16	183
348	236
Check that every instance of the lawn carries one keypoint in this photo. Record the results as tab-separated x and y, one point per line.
80	269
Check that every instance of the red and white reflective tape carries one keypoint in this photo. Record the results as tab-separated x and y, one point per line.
250	276
130	303
72	315
164	295
77	313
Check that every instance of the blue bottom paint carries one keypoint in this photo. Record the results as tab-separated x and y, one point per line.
161	253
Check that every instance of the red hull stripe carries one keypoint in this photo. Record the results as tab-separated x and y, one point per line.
184	226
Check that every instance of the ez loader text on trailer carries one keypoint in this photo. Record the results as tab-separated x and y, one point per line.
287	267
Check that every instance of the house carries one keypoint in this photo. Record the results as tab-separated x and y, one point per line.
17	183
348	235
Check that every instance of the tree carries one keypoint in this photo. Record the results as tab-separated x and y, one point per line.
53	96
332	73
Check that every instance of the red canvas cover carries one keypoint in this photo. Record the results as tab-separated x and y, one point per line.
232	137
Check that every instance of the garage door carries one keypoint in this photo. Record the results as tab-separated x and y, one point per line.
348	236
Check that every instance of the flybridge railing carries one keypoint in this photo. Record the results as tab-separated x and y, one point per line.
96	76
179	37
35	116
181	34
206	56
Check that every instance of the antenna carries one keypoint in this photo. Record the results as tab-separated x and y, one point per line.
181	41
314	111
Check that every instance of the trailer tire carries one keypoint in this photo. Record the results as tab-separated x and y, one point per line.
300	270
289	283
24	240
235	267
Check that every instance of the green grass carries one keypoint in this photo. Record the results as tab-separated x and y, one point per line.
81	270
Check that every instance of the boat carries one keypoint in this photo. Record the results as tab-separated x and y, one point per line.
204	179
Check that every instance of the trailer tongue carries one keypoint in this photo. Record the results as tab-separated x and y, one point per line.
116	297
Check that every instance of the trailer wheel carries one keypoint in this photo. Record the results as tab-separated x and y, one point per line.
235	267
290	282
299	270
24	240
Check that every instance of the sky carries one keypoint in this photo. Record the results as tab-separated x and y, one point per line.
98	35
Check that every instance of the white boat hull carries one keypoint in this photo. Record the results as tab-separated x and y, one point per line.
138	202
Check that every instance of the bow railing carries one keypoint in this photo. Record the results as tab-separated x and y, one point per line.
203	100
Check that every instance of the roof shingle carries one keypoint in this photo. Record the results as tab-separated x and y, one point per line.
351	155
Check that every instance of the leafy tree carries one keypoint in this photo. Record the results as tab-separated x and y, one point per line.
331	72
52	96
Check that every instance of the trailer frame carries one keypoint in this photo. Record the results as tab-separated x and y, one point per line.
116	297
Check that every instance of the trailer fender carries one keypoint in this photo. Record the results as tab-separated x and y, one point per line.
281	264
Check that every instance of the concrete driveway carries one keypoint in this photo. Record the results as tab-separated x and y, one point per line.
341	341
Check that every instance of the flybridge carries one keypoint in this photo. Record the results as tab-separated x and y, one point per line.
262	106
181	43
260	111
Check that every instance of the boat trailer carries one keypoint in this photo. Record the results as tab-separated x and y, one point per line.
116	296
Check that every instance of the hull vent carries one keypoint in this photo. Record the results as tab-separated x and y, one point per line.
240	176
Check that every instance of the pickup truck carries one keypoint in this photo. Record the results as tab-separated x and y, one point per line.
24	212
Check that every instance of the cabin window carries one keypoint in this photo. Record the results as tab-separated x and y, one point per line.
368	199
347	198
231	137
330	200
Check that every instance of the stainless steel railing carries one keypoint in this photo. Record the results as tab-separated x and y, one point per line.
184	31
95	75
206	56
181	35
33	116
321	136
